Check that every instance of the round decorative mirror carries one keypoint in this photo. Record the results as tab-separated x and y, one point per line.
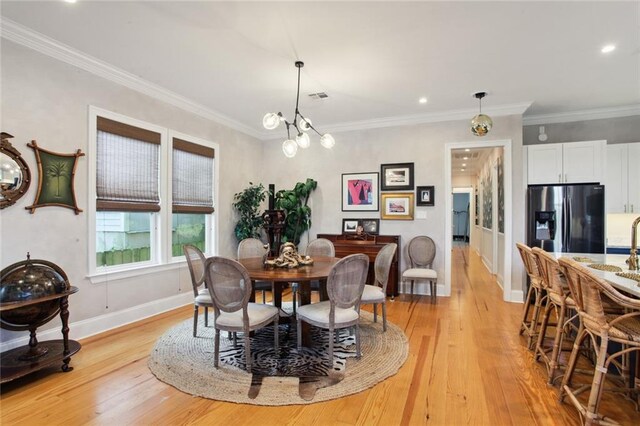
15	177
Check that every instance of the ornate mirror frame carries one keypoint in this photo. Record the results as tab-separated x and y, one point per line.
10	196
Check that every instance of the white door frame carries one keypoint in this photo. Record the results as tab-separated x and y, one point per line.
508	219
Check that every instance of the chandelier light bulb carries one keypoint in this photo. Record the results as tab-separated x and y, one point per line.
327	141
271	121
305	124
303	140
289	147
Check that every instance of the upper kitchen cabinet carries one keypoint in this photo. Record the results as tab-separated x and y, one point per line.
623	178
571	162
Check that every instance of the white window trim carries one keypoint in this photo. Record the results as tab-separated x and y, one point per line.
161	258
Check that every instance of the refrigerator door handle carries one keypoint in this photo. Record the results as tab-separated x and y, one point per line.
567	229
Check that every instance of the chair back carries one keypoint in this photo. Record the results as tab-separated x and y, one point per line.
321	247
530	262
346	280
195	260
383	265
585	290
228	282
422	251
552	277
251	247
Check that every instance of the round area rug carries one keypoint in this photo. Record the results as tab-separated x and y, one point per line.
290	376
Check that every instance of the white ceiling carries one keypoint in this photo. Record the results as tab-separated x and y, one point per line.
373	59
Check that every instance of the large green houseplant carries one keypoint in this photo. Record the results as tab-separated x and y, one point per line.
294	203
247	202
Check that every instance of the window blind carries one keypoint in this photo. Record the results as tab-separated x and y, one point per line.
128	170
192	186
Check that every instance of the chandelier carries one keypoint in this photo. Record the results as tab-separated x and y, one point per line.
481	123
300	123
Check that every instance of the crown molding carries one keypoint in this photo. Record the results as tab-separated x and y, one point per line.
592	114
25	36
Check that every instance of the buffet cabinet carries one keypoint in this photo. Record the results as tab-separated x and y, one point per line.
370	245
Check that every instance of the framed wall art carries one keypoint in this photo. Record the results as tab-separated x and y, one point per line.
397	206
370	226
425	195
350	226
55	179
360	192
397	177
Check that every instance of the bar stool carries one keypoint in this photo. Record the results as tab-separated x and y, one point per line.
591	294
529	327
564	307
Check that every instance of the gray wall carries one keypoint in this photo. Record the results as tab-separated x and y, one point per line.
613	130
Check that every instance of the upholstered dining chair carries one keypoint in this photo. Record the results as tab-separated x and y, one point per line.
592	294
253	247
529	326
345	284
320	247
377	293
201	297
230	288
422	251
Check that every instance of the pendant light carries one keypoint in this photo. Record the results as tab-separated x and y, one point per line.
481	123
300	123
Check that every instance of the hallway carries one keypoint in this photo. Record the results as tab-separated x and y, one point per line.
467	365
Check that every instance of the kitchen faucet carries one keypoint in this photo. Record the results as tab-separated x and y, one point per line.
632	261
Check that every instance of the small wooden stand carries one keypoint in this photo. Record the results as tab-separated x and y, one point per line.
36	355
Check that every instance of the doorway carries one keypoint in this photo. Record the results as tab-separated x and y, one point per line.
461	215
483	233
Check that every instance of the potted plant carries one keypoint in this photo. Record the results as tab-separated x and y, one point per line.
247	203
294	203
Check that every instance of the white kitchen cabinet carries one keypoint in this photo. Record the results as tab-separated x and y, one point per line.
623	178
571	162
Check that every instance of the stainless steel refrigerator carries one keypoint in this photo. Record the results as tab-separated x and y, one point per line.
566	218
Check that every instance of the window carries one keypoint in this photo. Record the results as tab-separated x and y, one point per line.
154	192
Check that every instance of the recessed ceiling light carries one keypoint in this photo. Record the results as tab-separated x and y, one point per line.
608	48
70	1
422	100
465	158
462	170
464	164
467	150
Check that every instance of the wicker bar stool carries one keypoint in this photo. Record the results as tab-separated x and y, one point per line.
564	307
529	326
592	294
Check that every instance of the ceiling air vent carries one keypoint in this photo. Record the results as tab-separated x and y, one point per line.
318	96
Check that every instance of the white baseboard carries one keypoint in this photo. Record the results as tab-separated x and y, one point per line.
517	296
91	326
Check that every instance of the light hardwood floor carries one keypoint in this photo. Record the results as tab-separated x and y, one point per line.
467	365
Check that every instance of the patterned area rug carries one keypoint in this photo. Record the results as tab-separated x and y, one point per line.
291	376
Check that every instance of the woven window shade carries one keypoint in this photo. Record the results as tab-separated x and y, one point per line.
128	172
192	178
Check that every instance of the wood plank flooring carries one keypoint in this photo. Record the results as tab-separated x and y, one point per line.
467	365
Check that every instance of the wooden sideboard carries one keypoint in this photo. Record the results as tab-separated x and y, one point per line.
370	245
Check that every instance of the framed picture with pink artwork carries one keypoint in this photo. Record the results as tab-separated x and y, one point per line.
360	192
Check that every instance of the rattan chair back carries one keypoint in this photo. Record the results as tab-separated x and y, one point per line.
195	261
530	262
346	281
229	284
552	277
422	251
320	247
251	247
382	265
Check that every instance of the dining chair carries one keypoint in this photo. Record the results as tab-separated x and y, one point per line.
592	294
562	304
230	288
377	293
345	285
530	326
320	247
253	247
422	251
201	297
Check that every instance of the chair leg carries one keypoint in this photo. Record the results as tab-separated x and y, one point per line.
434	289
358	353
206	316
299	333
375	312
557	342
411	288
525	314
276	330
598	382
384	316
235	339
539	350
264	297
294	290
573	360
331	338
195	320
216	349
247	349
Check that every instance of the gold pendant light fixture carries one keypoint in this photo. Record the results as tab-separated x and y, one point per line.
300	123
481	123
